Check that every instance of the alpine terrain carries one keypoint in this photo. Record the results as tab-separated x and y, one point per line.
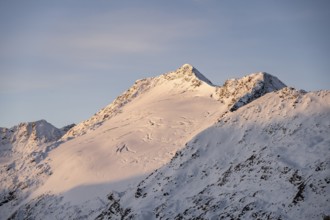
177	146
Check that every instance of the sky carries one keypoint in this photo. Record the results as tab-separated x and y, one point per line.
62	61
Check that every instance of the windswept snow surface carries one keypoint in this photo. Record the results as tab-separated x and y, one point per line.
140	131
269	159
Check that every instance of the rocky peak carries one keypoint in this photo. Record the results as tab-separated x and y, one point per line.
239	92
30	133
187	73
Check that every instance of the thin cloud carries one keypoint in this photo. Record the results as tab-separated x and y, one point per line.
127	37
46	51
26	81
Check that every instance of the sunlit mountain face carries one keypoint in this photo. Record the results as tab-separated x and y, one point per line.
176	146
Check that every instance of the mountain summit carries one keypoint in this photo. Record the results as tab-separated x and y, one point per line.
189	74
29	135
248	88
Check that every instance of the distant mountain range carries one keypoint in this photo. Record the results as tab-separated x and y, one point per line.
176	146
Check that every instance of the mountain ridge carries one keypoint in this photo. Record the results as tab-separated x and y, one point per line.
187	74
140	132
184	78
32	134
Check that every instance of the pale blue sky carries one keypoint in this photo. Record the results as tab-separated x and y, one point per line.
64	60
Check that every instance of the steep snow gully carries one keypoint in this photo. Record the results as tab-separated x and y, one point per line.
176	146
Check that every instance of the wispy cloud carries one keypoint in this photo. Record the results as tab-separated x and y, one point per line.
24	81
113	36
42	55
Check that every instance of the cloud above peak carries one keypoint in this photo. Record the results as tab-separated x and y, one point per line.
64	38
109	35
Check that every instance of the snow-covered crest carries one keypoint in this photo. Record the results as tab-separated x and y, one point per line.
189	74
184	78
234	93
31	134
238	92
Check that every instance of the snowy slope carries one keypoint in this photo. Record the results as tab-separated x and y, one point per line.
137	133
183	79
23	149
234	93
269	159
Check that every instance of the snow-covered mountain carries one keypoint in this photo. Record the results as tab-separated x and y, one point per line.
186	78
27	136
234	93
268	160
23	150
146	129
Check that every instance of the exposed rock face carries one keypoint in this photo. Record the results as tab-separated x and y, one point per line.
238	92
